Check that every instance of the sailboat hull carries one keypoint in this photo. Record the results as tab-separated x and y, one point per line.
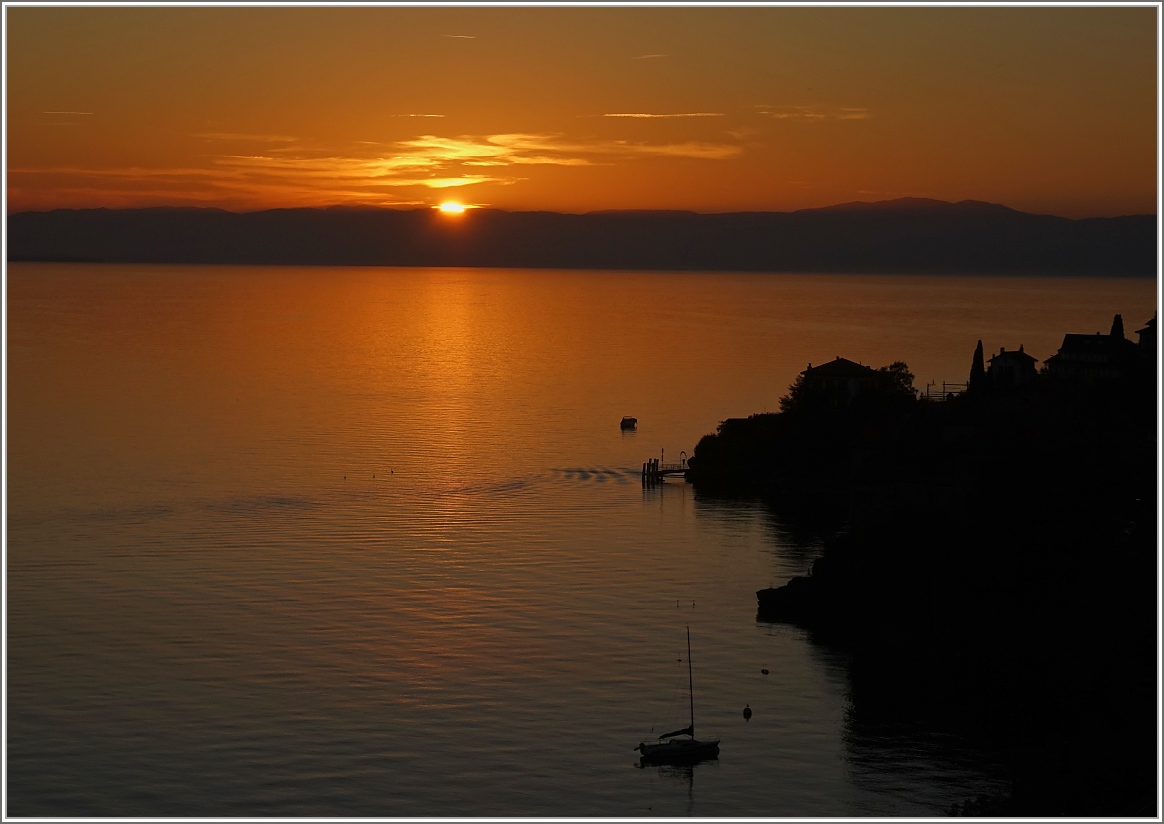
669	749
678	751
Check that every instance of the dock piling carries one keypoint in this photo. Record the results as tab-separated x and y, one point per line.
654	470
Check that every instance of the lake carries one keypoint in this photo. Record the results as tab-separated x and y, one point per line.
370	542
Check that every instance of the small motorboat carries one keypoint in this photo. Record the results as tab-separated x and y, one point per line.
628	422
671	750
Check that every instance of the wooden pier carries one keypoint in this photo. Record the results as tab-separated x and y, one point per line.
655	471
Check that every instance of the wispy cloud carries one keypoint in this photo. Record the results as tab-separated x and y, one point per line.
743	133
241	138
649	56
492	150
403	170
66	112
797	115
336	166
416	115
701	151
684	114
238	181
137	172
130	191
438	162
521	149
366	173
815	112
462	36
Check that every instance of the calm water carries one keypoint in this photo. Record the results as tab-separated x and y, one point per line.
308	541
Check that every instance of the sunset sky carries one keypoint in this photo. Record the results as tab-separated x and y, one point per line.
1050	110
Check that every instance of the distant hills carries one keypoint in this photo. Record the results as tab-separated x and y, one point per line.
909	235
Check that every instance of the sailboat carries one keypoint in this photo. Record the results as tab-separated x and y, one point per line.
670	748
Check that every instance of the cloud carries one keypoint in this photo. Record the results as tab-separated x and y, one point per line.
372	172
237	137
524	149
241	181
532	160
648	56
434	149
335	166
438	162
123	172
130	192
686	114
492	150
461	36
416	115
448	182
743	132
815	113
703	151
66	112
365	173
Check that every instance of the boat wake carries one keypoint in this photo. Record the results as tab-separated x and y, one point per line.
598	474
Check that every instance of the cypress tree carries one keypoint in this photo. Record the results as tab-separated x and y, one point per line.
977	370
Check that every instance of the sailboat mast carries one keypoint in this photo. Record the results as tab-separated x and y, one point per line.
690	683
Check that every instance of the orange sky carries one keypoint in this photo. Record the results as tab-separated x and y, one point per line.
1048	110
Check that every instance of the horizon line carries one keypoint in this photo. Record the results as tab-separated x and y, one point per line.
410	207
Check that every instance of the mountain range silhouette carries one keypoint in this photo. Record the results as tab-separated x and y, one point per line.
908	235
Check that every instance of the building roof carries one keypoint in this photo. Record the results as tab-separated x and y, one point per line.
1090	351
1097	344
1014	355
839	368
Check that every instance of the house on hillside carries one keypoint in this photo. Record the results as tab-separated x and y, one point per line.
1097	358
842	379
1011	370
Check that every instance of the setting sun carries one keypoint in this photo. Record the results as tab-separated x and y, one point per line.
770	259
606	123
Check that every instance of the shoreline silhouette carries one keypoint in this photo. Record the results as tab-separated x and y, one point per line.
990	557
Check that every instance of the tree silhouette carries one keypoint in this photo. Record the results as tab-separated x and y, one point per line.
898	379
1117	327
977	369
891	384
795	396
